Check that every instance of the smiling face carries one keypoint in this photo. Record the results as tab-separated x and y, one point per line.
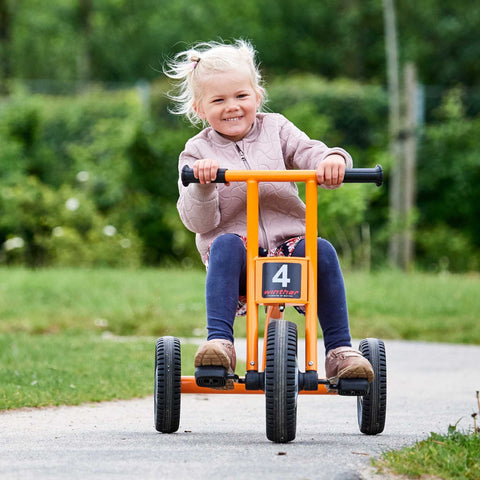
229	103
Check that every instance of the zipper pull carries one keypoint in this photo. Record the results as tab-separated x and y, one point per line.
242	155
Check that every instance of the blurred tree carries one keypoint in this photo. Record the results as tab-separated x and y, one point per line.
44	41
449	171
121	40
129	149
84	18
6	20
442	39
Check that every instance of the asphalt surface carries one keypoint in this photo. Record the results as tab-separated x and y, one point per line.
429	387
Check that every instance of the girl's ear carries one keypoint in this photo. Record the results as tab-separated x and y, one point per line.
199	111
260	93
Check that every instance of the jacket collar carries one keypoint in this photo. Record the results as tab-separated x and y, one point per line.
251	136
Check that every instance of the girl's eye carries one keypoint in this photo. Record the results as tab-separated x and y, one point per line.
242	95
217	100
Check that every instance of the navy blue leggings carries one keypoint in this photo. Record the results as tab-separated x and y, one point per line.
226	280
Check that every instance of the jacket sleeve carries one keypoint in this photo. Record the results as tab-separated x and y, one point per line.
301	152
197	205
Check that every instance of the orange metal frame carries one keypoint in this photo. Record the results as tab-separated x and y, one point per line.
253	178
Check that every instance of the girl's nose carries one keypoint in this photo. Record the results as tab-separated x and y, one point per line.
232	105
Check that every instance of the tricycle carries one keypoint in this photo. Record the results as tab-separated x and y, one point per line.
275	282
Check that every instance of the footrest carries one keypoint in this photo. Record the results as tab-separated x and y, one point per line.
211	376
353	387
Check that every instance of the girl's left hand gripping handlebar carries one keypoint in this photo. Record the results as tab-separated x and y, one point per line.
352	175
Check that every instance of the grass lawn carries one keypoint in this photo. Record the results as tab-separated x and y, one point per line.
73	368
69	336
155	302
453	456
56	326
418	306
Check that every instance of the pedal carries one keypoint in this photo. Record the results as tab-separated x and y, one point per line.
308	380
353	387
211	376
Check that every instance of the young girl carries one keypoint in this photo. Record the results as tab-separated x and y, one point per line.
219	85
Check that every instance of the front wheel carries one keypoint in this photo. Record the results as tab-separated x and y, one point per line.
168	380
281	381
371	408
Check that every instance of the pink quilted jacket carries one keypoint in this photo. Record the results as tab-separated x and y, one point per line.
274	143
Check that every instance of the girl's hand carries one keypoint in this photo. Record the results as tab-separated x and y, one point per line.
331	171
205	170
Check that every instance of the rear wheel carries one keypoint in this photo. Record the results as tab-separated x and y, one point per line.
167	384
371	408
281	381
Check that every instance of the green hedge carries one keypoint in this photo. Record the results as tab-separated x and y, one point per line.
61	149
116	156
342	112
449	189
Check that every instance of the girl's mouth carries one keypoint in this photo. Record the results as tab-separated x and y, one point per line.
233	119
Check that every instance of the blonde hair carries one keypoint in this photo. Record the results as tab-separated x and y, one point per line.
192	66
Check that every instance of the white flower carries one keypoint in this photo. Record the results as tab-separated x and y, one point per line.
125	243
101	322
72	204
57	232
109	230
13	243
83	176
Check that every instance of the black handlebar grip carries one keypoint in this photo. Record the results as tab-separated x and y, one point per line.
352	175
364	175
188	177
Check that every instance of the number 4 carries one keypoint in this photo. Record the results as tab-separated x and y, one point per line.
282	276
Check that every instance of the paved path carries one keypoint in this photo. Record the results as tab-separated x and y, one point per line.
430	386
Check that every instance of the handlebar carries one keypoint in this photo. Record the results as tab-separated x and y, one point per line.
352	175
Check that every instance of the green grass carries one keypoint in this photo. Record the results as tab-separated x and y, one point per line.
158	302
415	306
56	345
453	456
66	368
125	302
54	348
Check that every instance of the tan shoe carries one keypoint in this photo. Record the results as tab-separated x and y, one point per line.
218	352
346	362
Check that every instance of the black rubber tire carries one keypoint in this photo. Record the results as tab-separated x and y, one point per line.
168	379
372	408
281	381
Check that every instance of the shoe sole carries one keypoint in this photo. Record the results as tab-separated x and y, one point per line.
212	357
352	372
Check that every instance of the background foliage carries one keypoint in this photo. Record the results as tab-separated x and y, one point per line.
112	40
88	149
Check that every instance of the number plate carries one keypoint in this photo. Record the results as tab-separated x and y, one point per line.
281	280
285	279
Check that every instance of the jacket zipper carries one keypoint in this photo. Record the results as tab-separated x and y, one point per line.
262	232
242	156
